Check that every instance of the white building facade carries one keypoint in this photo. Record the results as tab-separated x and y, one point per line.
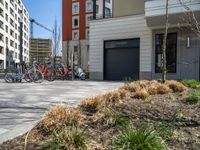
14	33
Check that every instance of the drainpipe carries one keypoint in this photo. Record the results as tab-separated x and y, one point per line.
94	9
104	6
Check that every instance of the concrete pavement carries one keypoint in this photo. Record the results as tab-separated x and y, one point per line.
22	105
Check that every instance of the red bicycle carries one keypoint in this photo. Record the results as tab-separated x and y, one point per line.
47	70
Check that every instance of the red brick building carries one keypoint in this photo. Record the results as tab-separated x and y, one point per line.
76	15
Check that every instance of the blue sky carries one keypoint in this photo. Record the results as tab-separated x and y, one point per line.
45	12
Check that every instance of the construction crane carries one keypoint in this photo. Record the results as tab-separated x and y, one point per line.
33	21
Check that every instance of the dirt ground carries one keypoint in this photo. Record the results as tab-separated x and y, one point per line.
171	111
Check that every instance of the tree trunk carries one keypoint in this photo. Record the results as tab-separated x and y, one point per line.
164	47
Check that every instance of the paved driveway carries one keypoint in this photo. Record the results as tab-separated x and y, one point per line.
22	105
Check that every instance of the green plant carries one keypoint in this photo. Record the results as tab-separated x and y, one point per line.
114	117
141	138
194	97
72	138
164	130
191	83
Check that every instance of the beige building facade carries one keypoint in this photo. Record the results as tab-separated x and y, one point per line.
133	39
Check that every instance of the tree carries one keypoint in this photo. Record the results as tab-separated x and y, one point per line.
164	46
190	19
56	37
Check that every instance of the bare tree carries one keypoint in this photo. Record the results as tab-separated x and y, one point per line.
164	46
56	37
190	19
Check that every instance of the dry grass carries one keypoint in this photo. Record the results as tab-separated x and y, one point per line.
92	103
176	86
163	89
58	118
141	94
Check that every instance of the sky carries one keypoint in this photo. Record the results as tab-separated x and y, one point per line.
45	12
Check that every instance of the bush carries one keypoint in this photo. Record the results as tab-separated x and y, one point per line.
175	86
141	94
58	118
191	83
194	97
141	138
70	139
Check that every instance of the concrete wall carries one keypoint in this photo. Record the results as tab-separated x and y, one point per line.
127	7
119	28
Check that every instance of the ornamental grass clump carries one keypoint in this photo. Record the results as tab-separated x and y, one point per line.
175	86
194	97
141	138
141	94
58	118
69	139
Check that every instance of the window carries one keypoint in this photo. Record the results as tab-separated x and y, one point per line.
1	25
75	8
75	22
87	34
97	9
75	35
89	7
88	18
171	52
1	50
107	12
1	37
108	1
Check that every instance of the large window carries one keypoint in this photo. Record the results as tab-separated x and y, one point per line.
171	52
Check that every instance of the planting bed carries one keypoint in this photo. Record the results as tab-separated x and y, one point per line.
139	115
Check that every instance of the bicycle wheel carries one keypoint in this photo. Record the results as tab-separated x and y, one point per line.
38	77
49	75
28	78
8	78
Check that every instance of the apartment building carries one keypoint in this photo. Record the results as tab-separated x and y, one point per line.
76	15
14	33
40	50
129	45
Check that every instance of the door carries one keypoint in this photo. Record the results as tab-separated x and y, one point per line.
121	59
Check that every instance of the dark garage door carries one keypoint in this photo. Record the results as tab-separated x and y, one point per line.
121	59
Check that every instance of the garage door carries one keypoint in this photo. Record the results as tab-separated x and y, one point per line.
121	59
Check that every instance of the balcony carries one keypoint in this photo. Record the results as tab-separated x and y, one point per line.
155	11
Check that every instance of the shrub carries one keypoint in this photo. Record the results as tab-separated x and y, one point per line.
58	118
70	139
141	138
191	83
153	89
141	94
194	97
162	89
175	86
